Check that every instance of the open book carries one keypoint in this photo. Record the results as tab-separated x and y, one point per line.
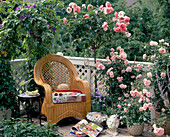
83	128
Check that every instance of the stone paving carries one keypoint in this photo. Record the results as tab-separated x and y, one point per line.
66	124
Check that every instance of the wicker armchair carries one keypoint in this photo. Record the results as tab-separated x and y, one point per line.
49	72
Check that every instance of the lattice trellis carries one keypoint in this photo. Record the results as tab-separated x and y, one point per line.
19	74
55	73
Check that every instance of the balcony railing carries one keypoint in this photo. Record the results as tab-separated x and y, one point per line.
85	73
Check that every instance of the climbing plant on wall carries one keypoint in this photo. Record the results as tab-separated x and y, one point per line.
29	30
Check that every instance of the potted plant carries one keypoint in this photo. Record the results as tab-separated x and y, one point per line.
135	107
158	54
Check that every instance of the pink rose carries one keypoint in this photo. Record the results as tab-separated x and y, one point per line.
126	19
163	110
119	106
111	53
104	25
72	4
78	9
122	86
116	15
162	50
90	7
145	106
86	15
128	34
109	62
101	7
148	100
96	12
163	74
158	131
167	44
64	20
126	62
125	104
123	71
152	57
108	10
132	93
147	82
128	69
132	77
148	94
119	79
121	13
100	82
139	76
84	6
126	95
144	91
94	73
69	10
108	4
125	110
162	40
144	56
141	109
108	71
153	43
149	74
105	29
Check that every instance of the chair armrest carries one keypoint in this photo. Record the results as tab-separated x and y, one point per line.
48	93
84	87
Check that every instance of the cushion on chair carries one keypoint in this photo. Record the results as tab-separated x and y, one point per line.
63	87
64	96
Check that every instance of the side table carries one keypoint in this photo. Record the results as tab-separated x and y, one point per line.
29	99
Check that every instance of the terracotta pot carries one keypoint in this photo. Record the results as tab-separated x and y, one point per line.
136	129
167	126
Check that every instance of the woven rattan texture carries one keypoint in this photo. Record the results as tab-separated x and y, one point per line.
55	73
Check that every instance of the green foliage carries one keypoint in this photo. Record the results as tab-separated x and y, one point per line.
29	30
21	128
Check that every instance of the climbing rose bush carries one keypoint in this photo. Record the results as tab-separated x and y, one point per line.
116	74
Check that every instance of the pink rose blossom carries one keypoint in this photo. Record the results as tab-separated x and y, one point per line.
104	25
78	9
167	44
149	74
139	76
122	86
100	82
126	95
144	56
90	7
64	20
158	131
94	73
153	43
111	53
162	50
163	110
123	71
125	104
152	57
101	7
119	98
72	4
148	94
147	82
108	4
116	15
84	6
132	77
132	93
128	34
109	62
126	62
112	49
119	106
105	29
96	12
69	10
121	13
108	71
86	15
141	109
145	106
128	69
163	74
126	19
114	19
148	100
125	110
144	91
162	40
119	79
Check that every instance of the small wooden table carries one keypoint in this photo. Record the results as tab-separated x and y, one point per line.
29	99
